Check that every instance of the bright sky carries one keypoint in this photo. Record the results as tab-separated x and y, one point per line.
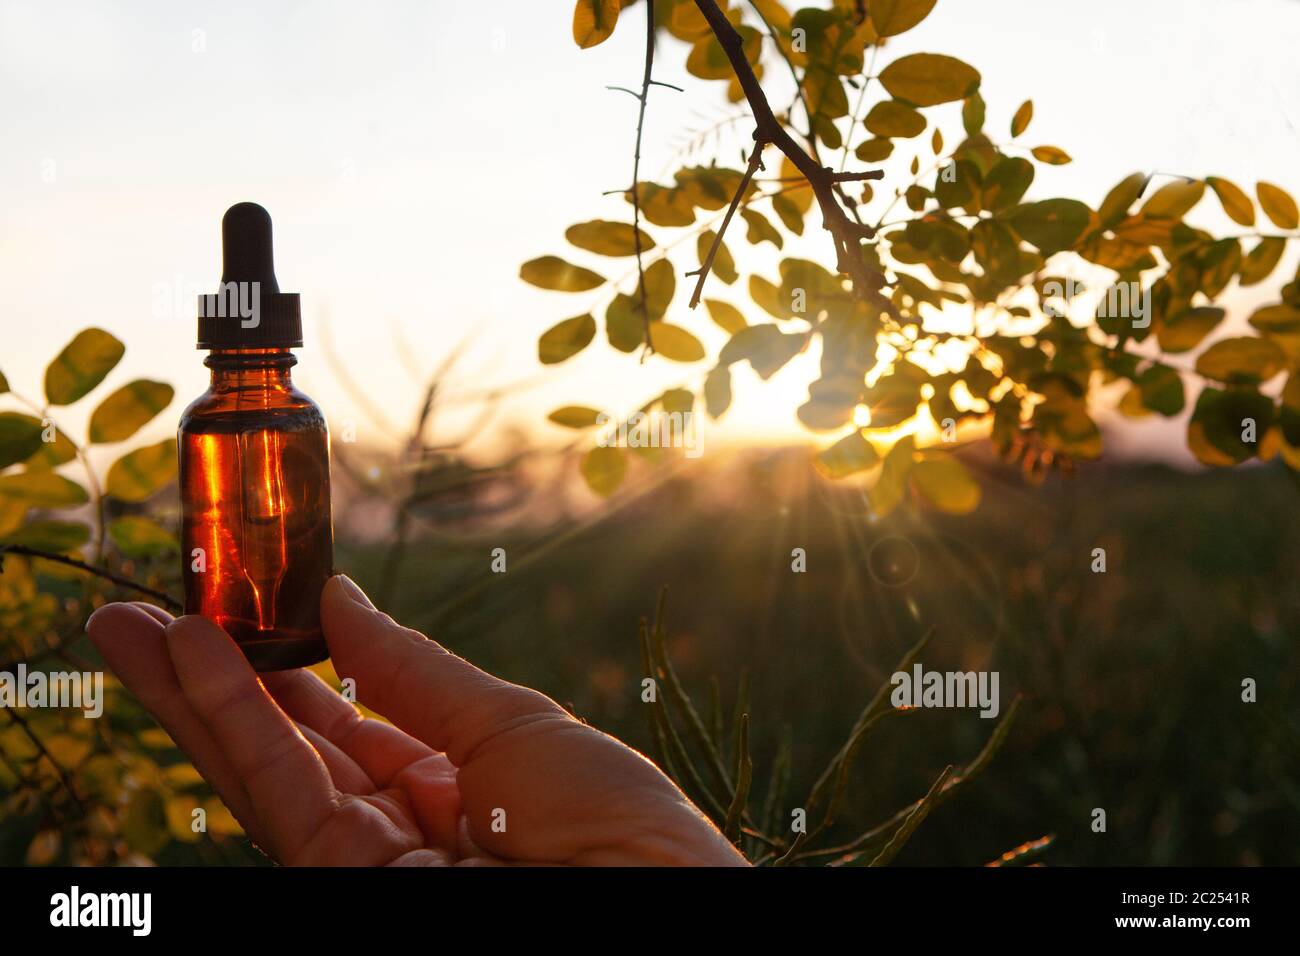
413	154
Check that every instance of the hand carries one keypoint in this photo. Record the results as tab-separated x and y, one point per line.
472	769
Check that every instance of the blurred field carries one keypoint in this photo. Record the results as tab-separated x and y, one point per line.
1132	676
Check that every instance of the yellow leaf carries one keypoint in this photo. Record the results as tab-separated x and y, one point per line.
1052	155
593	21
892	17
128	410
603	468
575	416
890	118
928	79
1235	202
553	273
1020	122
888	491
947	484
848	456
220	820
1174	200
674	343
725	315
136	476
566	339
606	238
1247	359
1278	205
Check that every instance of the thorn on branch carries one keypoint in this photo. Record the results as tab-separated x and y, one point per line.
853	177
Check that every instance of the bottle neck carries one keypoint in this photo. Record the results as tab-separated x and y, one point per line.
250	368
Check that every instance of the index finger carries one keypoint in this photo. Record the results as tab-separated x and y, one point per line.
288	784
418	684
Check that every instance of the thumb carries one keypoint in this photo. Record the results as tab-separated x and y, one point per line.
417	683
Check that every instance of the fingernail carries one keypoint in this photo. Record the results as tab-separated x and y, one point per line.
355	593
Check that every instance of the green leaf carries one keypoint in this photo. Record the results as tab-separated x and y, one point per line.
20	437
1235	202
1278	205
890	118
928	79
128	409
59	536
1006	183
848	456
892	17
1174	200
575	416
1161	388
1247	360
946	483
1020	122
603	468
139	474
139	537
1218	424
81	366
725	315
566	339
1051	225
1052	155
674	343
552	272
42	489
593	21
51	454
606	238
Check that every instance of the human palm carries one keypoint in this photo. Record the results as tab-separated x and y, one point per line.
471	770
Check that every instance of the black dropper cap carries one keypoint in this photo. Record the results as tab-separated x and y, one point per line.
250	311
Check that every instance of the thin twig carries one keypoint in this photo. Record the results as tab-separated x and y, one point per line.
846	233
64	778
755	164
642	294
170	602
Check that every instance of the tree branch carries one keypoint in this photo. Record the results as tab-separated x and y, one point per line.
846	233
168	601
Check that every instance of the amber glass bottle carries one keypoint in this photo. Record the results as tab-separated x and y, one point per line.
254	465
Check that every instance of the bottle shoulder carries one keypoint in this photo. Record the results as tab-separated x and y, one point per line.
242	409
